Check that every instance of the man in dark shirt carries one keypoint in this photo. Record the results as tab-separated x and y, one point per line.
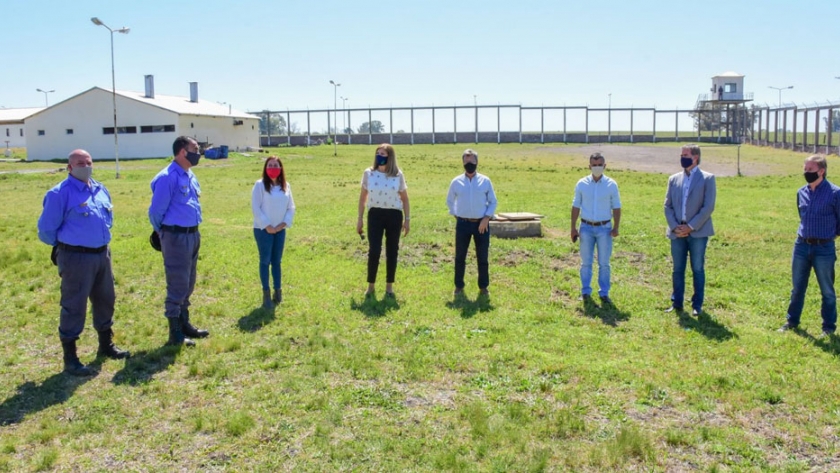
819	223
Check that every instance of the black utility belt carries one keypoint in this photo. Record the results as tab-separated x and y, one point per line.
177	229
815	241
81	249
472	220
596	224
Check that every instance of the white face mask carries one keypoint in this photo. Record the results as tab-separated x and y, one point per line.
597	170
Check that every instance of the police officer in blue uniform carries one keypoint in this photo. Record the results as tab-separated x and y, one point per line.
175	214
76	222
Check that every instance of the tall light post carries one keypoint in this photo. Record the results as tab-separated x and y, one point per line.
335	116
780	89
344	106
45	92
96	21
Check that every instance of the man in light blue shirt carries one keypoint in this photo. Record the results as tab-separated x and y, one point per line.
598	205
76	222
472	201
175	214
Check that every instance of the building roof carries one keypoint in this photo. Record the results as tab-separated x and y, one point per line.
17	115
173	103
183	106
729	74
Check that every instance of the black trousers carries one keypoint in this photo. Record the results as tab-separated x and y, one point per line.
389	222
464	232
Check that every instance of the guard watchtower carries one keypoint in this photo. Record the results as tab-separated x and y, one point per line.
723	109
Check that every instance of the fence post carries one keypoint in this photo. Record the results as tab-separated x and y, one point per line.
412	125
586	130
542	125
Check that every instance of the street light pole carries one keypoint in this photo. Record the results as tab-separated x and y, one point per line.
96	21
344	106
335	116
780	89
45	92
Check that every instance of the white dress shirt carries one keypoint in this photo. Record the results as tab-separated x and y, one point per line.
596	199
471	198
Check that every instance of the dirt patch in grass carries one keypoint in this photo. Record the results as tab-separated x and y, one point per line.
658	159
513	258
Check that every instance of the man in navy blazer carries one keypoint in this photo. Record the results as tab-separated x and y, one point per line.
689	204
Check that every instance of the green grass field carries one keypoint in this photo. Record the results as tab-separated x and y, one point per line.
529	381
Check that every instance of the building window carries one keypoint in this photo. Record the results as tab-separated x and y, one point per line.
41	133
69	131
21	132
7	132
157	128
109	130
730	88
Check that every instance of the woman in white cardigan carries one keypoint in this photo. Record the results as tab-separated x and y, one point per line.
274	210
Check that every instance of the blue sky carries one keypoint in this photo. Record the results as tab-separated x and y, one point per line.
258	54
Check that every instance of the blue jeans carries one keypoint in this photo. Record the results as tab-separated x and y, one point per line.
270	247
681	249
821	258
590	237
464	232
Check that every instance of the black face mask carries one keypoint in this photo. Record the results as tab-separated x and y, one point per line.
811	177
470	167
193	158
381	160
686	162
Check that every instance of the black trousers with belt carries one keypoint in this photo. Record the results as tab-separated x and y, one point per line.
389	223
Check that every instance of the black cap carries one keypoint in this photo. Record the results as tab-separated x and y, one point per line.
154	240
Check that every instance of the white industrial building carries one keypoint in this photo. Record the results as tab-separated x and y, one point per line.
147	124
12	133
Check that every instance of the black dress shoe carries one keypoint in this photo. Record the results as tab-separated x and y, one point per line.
606	300
586	298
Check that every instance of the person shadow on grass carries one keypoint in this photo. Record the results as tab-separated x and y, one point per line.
144	365
607	312
373	308
470	307
257	319
31	397
830	344
706	325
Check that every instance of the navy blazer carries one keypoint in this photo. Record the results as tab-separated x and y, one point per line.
698	207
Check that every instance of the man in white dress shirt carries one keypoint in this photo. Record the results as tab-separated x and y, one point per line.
598	205
472	201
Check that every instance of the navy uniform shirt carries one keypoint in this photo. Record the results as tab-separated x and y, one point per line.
175	194
76	214
819	211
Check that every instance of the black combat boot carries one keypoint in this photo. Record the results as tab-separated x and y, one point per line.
107	347
72	365
188	328
176	333
267	303
278	296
